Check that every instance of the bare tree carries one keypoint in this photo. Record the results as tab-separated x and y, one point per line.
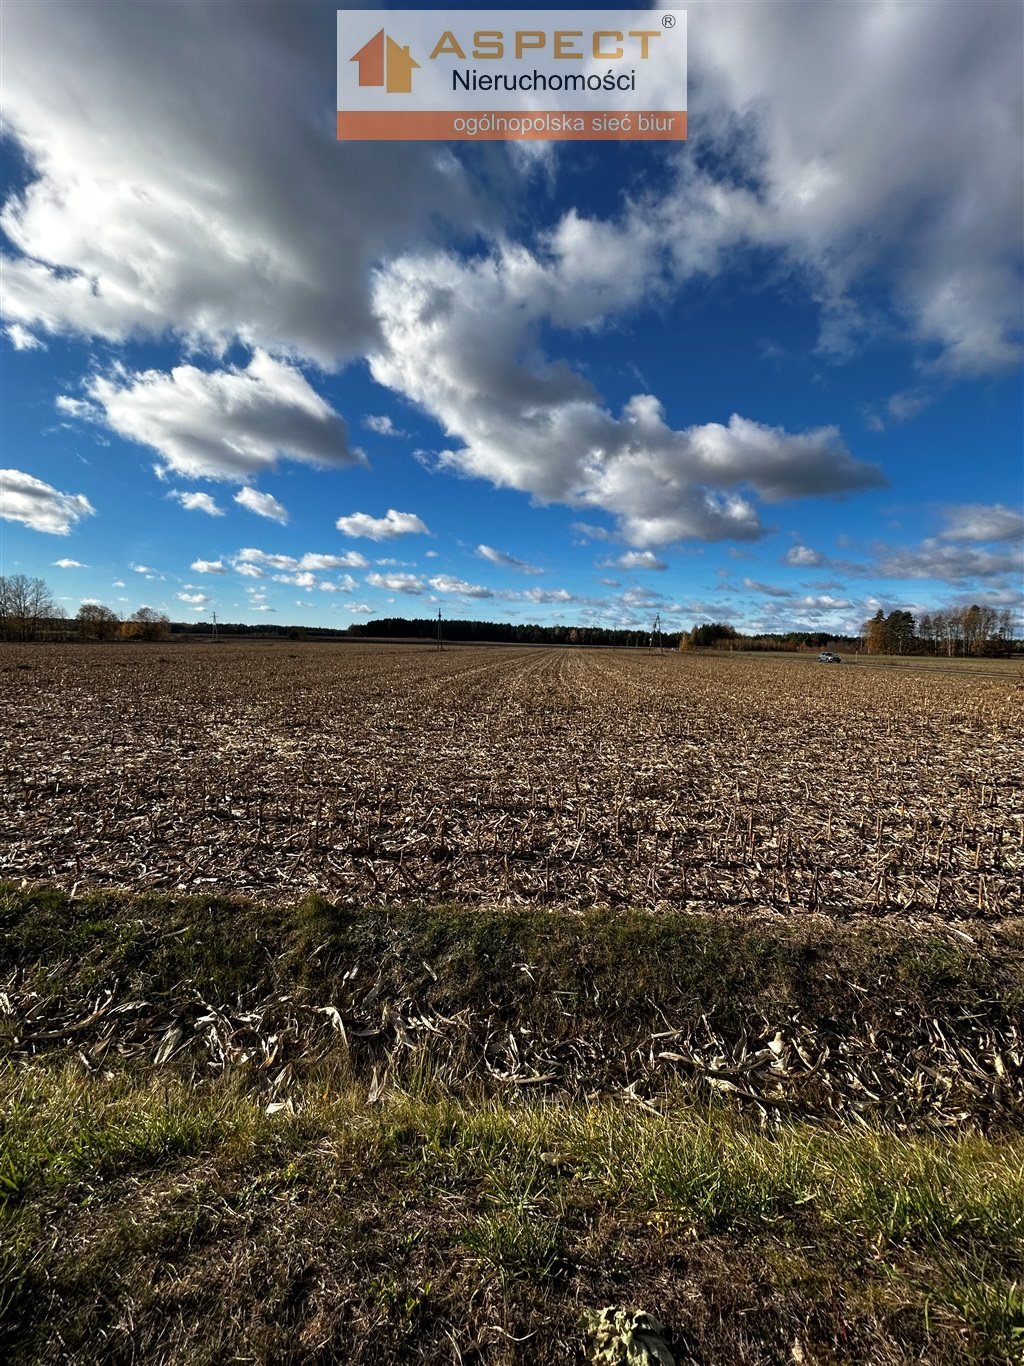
26	607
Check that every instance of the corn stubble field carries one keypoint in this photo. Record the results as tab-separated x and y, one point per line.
572	778
377	1004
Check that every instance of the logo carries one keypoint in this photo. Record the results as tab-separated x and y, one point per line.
384	62
450	75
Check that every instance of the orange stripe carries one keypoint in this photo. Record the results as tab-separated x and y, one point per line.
435	125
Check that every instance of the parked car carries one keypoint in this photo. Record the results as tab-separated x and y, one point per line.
827	657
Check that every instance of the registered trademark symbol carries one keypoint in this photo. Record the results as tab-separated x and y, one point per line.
669	21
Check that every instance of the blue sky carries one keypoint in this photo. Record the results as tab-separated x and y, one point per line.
769	376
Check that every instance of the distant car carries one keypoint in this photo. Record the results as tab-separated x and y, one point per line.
827	657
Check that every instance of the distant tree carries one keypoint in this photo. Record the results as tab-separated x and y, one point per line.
146	624
899	633
97	622
711	633
874	634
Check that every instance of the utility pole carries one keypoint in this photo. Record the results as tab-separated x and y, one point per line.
213	616
440	631
655	641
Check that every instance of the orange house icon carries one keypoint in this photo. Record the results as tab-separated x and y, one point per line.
382	61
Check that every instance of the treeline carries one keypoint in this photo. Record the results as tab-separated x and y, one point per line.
720	635
975	630
508	633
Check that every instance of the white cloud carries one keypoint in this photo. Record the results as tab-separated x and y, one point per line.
396	583
177	135
384	528
253	562
195	599
224	424
263	504
119	583
26	499
770	590
803	556
262	560
548	595
592	533
22	339
983	522
70	564
346	584
487	552
197	502
208	567
461	341
300	580
382	425
445	583
635	559
142	568
350	560
842	172
949	563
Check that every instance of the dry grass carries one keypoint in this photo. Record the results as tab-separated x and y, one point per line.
574	778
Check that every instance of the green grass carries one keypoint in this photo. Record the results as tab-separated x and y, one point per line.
619	967
499	1201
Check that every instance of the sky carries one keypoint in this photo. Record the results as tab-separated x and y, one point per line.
770	375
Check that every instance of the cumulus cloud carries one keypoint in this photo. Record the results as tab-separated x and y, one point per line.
253	562
804	557
26	499
445	583
197	502
346	584
462	342
263	504
300	580
853	186
209	567
70	564
396	583
228	424
983	522
635	559
186	176
487	552
194	599
350	560
384	528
